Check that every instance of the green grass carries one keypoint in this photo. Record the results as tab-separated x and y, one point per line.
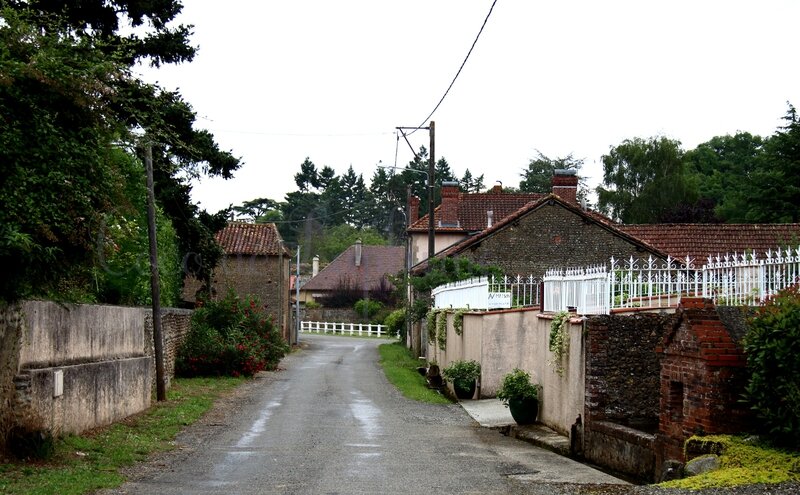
92	461
744	463
400	367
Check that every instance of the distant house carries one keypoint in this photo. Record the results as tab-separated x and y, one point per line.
546	233
254	262
461	215
364	269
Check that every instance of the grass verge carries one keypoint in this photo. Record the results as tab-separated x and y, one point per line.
93	460
744	462
400	367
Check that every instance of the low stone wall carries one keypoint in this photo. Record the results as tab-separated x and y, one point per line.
94	394
101	357
337	315
621	449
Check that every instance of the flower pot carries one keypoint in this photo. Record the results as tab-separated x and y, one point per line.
465	389
524	411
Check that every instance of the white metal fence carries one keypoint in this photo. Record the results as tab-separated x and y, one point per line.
343	328
488	293
731	279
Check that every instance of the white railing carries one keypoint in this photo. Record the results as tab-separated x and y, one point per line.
488	293
732	279
585	289
361	329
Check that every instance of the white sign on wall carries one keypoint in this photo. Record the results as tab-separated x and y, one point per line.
499	300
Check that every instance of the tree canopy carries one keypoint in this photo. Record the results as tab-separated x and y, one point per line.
68	99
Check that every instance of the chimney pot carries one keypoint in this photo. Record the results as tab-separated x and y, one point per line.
489	218
358	252
315	266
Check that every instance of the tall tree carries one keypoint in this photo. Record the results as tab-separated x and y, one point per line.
723	169
470	184
643	180
125	33
538	175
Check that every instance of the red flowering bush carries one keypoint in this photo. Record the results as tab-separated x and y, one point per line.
230	337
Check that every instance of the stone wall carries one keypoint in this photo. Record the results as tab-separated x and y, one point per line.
264	276
623	373
101	355
175	324
335	315
623	369
551	237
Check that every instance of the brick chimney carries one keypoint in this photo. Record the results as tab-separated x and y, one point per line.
358	252
565	185
497	188
413	207
449	207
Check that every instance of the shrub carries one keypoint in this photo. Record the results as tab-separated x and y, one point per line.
559	340
396	323
367	308
517	385
772	345
462	371
230	337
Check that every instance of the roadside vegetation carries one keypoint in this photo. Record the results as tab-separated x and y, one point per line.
84	463
743	461
400	367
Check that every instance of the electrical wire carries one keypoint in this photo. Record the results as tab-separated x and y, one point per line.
426	119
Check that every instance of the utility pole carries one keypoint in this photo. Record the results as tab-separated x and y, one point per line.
158	336
431	170
297	300
431	176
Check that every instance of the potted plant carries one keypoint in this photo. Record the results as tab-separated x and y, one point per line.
463	375
520	395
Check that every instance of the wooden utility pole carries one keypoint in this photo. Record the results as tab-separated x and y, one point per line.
431	170
158	336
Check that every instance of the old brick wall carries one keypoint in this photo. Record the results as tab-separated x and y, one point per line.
702	376
551	237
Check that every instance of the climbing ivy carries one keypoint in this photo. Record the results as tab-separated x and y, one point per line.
559	340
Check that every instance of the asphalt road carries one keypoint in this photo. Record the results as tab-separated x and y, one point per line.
330	423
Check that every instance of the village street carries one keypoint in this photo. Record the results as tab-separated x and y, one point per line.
329	422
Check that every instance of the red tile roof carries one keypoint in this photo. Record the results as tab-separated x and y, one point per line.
376	263
472	208
699	240
251	239
589	215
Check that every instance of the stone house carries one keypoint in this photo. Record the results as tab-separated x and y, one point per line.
365	269
255	262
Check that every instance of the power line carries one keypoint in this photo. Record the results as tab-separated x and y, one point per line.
426	119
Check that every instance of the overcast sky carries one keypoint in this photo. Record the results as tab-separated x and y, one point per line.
277	82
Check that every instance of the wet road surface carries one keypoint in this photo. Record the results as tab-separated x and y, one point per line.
330	423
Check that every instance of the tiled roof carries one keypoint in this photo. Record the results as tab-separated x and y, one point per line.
250	238
472	208
699	240
376	263
589	215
